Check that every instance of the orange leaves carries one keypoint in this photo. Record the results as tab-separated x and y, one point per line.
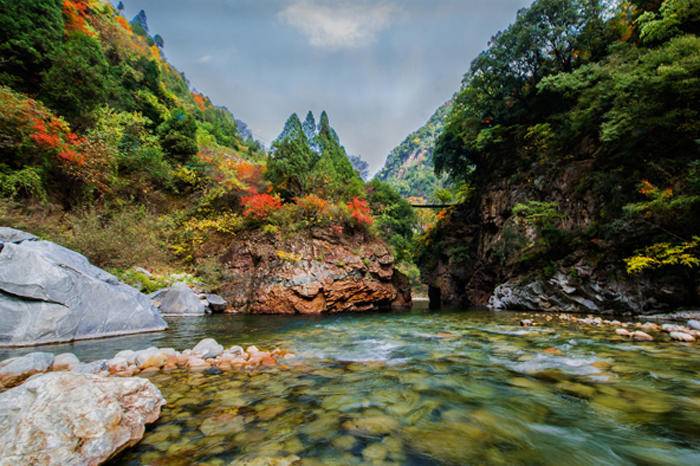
360	211
124	23
312	204
76	13
259	206
55	135
199	100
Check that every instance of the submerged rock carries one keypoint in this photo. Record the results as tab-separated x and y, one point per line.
50	294
63	418
208	348
682	336
179	299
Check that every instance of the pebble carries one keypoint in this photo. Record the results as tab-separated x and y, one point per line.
641	336
682	336
623	332
525	323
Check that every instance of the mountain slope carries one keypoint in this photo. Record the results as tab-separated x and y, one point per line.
409	166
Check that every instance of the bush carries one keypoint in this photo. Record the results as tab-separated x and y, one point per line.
122	238
260	206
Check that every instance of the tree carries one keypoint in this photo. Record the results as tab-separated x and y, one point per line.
30	33
120	6
178	136
78	79
288	166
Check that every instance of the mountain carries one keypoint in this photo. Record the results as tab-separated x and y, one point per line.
360	166
409	166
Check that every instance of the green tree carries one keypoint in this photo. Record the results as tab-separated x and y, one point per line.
78	79
290	161
30	33
178	136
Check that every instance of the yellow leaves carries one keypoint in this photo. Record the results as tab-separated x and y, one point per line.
665	254
226	222
288	256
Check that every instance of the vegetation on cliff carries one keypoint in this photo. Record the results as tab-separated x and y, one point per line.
602	95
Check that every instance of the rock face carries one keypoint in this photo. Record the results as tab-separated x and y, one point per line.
51	294
321	272
483	254
64	418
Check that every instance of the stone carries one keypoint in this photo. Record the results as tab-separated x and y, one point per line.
117	365
14	371
236	351
694	324
69	419
525	323
216	302
623	332
267	461
94	367
682	336
194	362
129	355
65	362
668	328
208	348
641	336
178	299
50	294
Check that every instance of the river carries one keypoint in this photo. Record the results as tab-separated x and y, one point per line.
470	387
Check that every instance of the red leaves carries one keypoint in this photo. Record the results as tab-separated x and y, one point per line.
259	206
75	12
55	135
360	211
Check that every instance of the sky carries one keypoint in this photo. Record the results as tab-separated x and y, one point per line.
379	68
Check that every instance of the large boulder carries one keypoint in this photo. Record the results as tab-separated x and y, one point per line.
50	294
64	418
179	299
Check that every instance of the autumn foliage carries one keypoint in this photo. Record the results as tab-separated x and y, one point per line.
360	211
259	206
75	13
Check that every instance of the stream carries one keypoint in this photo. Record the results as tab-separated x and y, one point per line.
469	387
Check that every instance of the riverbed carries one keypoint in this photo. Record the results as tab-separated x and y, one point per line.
469	387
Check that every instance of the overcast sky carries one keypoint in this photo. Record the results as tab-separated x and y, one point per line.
379	67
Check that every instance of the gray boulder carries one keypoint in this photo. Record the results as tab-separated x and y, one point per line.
208	348
50	294
14	371
216	302
64	418
178	299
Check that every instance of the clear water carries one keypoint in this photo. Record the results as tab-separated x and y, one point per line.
423	388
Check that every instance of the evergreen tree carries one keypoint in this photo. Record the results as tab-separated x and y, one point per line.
30	33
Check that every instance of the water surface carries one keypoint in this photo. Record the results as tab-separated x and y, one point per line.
423	388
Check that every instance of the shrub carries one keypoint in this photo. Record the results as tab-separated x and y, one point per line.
360	211
260	206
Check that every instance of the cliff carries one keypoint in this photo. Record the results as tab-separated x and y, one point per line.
312	273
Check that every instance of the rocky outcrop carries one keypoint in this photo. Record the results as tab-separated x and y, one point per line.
311	274
179	299
65	418
50	294
482	254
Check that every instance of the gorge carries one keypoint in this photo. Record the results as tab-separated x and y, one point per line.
517	283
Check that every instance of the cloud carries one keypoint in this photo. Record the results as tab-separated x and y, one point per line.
338	25
204	59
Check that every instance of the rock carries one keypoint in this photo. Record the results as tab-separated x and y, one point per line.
65	362
117	365
525	323
682	336
95	367
50	294
129	355
267	461
694	324
236	351
208	348
14	371
319	272
65	419
623	332
194	362
641	336
178	299
216	302
668	328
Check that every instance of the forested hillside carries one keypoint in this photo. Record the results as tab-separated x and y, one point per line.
578	133
107	149
409	166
